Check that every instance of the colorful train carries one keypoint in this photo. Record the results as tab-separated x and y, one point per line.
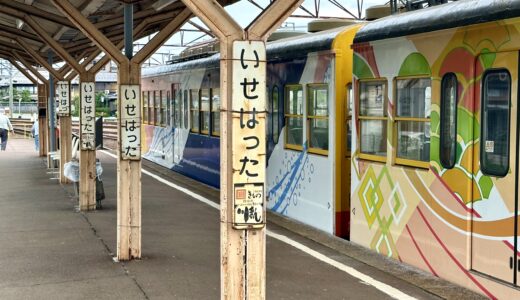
399	134
308	163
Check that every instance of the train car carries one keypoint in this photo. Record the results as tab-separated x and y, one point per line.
308	161
436	142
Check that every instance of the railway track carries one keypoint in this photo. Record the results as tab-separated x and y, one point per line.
23	127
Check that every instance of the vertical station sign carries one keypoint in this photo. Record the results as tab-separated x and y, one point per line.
88	116
63	92
130	127
248	141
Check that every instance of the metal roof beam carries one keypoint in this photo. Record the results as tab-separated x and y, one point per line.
162	36
270	19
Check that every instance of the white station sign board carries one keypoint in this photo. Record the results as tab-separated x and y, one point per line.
130	127
63	96
248	144
88	116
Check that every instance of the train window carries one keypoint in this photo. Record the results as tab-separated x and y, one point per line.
150	108
204	110
276	114
145	107
496	102
195	110
348	119
168	109
164	107
215	112
294	117
157	112
269	109
412	121
318	118
372	120
177	108
448	126
185	110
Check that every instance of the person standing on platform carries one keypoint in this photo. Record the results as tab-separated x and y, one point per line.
35	130
5	127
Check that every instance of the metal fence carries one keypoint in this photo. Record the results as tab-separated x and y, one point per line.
21	107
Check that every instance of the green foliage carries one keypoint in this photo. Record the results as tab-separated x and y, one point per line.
102	111
25	95
75	104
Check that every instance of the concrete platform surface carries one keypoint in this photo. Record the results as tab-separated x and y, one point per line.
50	251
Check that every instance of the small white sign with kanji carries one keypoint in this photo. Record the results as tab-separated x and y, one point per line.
130	130
88	116
63	96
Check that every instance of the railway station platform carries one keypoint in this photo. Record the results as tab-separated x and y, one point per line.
48	250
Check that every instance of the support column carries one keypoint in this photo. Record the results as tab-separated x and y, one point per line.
42	118
87	155
242	143
41	103
129	171
51	110
128	180
129	154
65	127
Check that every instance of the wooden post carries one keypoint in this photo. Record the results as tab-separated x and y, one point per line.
242	145
128	168
65	126
42	118
87	154
128	181
42	101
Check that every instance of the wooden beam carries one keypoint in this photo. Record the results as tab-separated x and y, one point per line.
23	71
103	61
89	30
8	39
12	46
271	19
29	67
216	18
160	38
39	59
18	32
53	43
19	9
84	64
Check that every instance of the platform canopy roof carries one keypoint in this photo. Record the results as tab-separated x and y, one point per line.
107	15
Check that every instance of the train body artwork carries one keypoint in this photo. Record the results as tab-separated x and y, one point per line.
306	92
435	167
399	134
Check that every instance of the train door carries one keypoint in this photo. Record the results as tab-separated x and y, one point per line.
495	189
344	115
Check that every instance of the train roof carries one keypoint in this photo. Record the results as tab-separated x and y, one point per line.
279	49
450	15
